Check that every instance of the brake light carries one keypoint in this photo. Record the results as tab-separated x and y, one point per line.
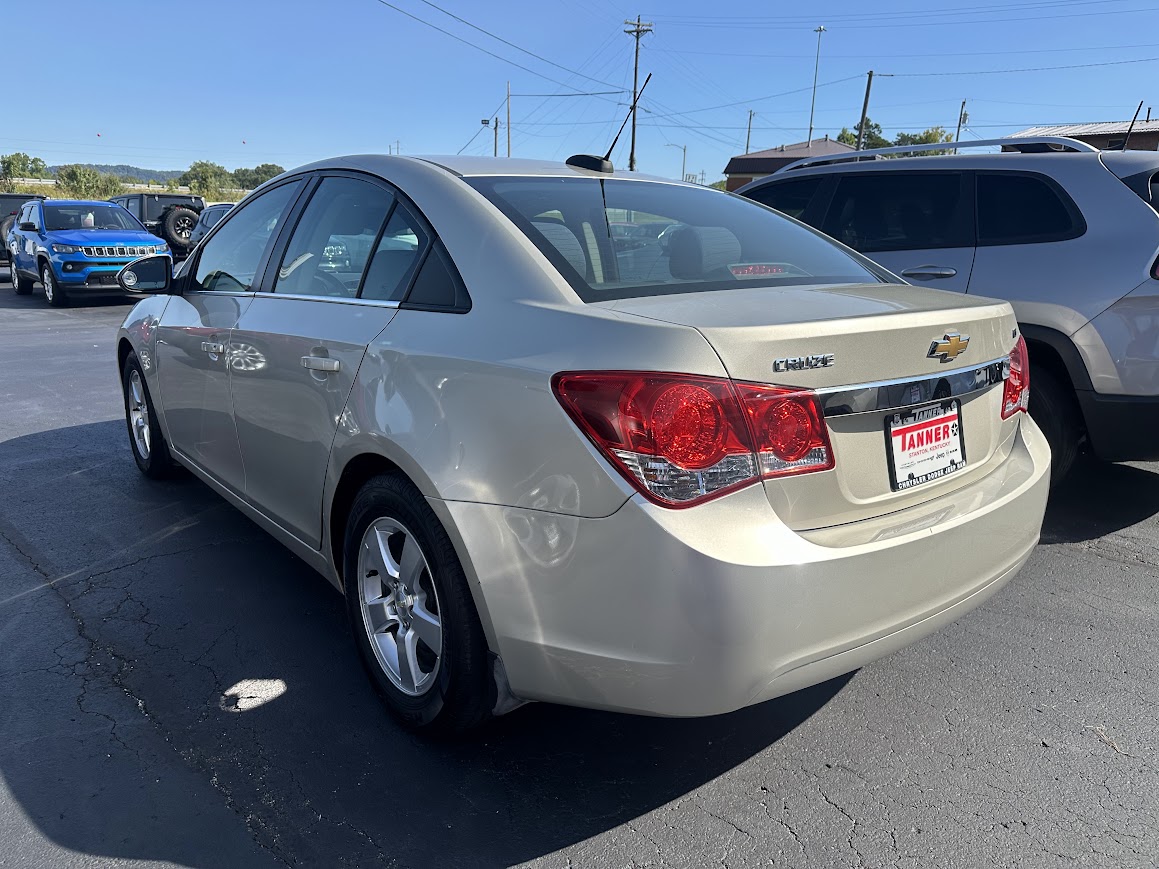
1016	392
682	439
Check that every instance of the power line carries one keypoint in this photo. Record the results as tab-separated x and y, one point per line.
477	47
1025	69
761	99
752	25
481	128
513	45
896	56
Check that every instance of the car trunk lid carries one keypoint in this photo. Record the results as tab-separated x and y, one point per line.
866	349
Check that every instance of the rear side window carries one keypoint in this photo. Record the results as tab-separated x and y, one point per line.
437	286
899	211
1019	208
396	256
788	197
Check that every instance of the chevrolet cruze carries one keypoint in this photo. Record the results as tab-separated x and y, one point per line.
672	472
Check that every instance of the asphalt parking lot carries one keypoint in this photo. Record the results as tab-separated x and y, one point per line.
141	624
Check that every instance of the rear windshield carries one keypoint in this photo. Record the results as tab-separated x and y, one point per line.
614	238
90	216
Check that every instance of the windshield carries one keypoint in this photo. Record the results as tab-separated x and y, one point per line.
93	215
614	238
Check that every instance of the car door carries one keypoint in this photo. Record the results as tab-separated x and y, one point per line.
193	335
16	250
28	238
918	224
296	350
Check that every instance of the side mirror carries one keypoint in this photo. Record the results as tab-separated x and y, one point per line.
149	274
27	227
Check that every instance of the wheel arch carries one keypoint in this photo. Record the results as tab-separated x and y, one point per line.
124	348
355	472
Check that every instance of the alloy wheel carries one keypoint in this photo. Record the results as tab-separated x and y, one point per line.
400	606
139	414
49	285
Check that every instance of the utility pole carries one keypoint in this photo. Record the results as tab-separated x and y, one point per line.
961	120
749	135
397	147
637	29
816	68
683	157
496	152
508	117
864	112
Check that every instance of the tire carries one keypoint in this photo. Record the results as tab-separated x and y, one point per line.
5	225
53	292
150	451
176	226
1054	408
21	284
454	691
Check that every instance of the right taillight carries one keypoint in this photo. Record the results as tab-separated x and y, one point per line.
682	439
1016	393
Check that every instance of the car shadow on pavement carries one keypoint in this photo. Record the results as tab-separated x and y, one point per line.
206	646
9	301
1097	498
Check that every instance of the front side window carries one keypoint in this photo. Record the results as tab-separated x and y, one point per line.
668	238
33	216
1023	209
230	260
899	211
331	244
788	197
93	216
133	205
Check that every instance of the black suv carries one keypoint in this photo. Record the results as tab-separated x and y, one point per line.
170	216
9	205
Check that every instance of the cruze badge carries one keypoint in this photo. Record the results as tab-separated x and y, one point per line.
804	363
949	346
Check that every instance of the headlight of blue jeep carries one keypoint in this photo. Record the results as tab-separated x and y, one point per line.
65	248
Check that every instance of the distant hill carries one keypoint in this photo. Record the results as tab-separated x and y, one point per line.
124	171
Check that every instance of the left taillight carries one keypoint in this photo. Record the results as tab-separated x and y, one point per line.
1016	393
683	439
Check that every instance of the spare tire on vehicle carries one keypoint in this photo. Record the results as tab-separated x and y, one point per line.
176	226
5	225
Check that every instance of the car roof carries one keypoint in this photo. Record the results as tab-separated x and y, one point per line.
476	167
77	202
1007	160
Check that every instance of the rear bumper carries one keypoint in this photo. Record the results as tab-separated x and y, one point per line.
1121	428
703	611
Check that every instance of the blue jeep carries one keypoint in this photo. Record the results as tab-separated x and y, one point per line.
75	247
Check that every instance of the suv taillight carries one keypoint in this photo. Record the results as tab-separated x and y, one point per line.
1016	393
682	439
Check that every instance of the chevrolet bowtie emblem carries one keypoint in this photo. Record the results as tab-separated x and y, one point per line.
950	346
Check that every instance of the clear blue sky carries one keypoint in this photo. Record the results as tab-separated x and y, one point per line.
292	81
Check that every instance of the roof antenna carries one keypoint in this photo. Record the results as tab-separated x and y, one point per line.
1127	138
604	164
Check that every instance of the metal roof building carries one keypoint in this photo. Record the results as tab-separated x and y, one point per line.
1105	135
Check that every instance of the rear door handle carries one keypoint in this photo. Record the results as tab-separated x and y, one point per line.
929	273
320	363
213	347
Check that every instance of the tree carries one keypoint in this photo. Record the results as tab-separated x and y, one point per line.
719	185
932	136
248	179
873	137
84	182
207	179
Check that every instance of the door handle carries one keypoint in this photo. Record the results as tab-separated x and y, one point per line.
929	273
213	347
320	363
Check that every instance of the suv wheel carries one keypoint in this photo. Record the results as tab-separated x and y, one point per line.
177	225
1054	409
414	621
53	292
21	284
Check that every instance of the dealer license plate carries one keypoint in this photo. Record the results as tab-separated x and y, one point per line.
925	444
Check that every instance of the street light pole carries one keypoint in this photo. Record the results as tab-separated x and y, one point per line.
683	157
816	69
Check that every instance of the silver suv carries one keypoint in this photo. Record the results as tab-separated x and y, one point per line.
1068	234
